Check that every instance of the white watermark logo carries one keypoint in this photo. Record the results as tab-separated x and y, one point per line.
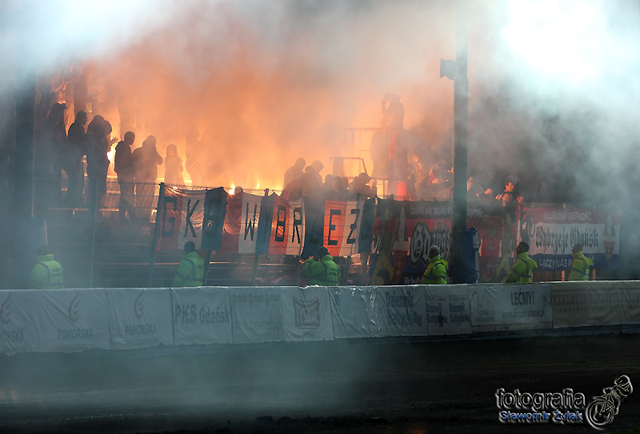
566	407
558	407
602	410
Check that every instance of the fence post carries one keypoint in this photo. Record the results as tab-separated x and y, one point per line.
300	253
205	275
344	281
154	239
94	220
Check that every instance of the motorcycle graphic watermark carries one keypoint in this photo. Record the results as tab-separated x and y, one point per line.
566	407
603	409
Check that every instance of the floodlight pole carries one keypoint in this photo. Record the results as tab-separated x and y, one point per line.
461	116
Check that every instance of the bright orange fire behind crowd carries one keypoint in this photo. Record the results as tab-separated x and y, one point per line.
258	108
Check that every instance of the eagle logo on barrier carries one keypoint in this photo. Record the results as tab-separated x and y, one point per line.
74	308
138	305
307	314
5	310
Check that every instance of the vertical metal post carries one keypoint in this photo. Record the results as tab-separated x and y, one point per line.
205	275
461	115
154	239
256	260
94	221
347	266
300	266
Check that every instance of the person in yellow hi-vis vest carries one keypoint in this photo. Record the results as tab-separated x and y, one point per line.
322	270
47	273
436	272
191	269
522	271
580	265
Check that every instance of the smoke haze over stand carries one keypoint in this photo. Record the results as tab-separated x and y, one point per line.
268	82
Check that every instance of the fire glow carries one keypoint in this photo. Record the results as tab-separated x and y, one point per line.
260	100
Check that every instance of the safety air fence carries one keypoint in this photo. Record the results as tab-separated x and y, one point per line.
71	320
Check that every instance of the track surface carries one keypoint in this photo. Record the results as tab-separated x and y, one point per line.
330	387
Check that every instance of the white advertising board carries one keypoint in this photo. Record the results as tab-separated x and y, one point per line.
256	314
448	311
306	315
510	307
201	316
74	320
356	312
19	317
630	301
587	303
140	318
403	310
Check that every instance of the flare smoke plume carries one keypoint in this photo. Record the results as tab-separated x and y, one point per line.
552	84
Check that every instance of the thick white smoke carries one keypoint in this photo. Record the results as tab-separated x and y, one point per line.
267	82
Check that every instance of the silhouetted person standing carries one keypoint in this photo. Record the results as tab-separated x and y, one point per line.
97	164
146	160
318	166
59	144
78	139
124	168
173	166
294	172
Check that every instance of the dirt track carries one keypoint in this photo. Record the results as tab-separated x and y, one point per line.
330	387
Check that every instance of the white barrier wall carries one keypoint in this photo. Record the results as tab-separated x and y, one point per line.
257	314
140	318
510	307
306	314
67	320
448	310
403	310
201	316
73	320
356	312
577	304
19	318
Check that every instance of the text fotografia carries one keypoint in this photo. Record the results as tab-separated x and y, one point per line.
557	407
